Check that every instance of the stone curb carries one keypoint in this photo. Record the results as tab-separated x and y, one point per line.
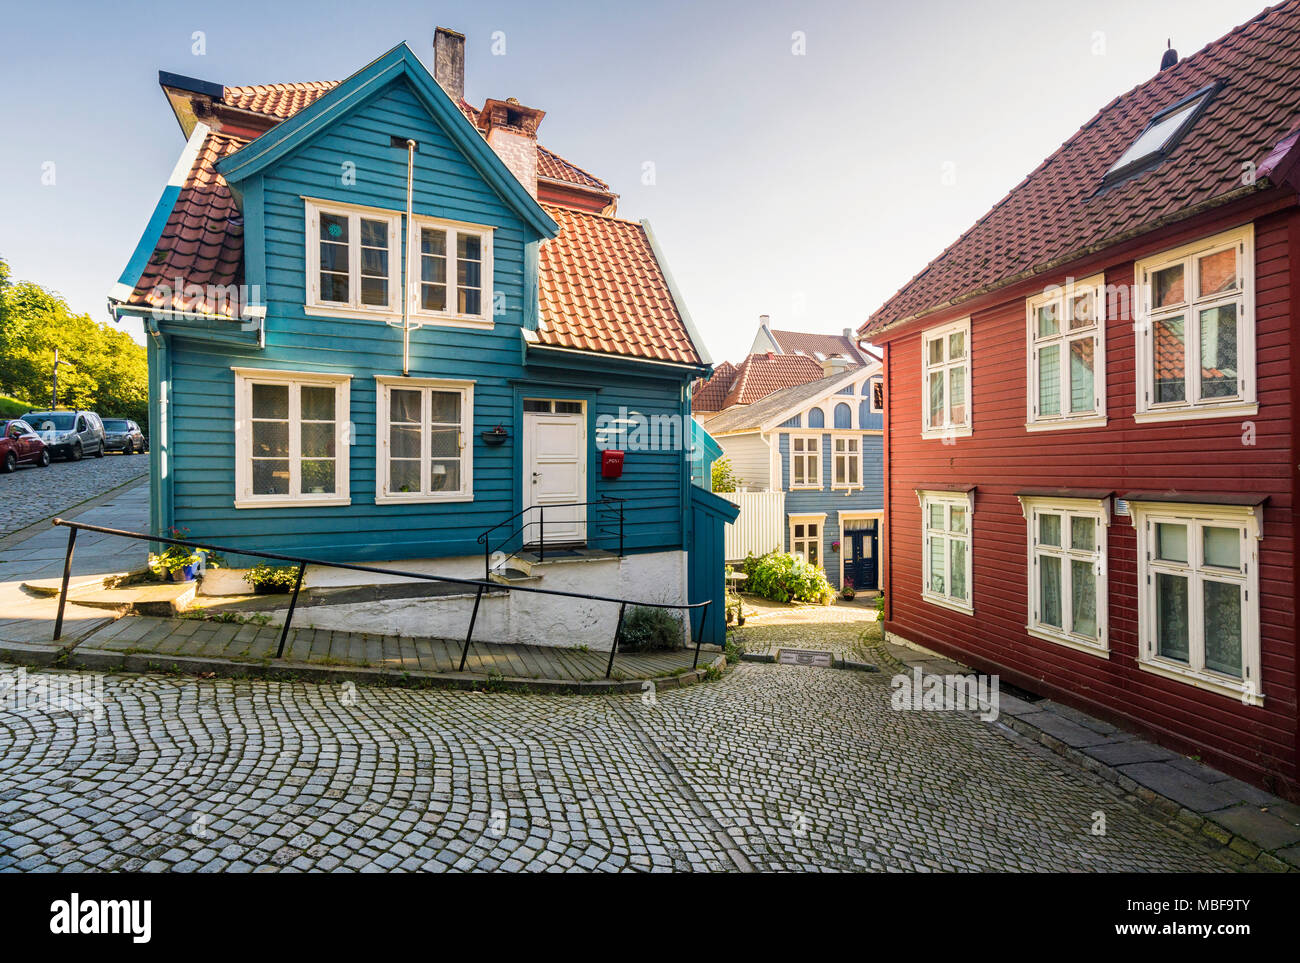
1167	809
106	660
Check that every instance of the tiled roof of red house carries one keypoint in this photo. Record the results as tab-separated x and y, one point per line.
826	345
282	101
1057	213
707	395
602	289
761	374
202	243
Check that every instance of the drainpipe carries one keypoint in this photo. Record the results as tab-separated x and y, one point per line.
406	279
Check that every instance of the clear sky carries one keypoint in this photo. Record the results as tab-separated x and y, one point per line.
808	157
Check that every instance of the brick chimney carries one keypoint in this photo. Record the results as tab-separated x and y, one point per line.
449	62
511	131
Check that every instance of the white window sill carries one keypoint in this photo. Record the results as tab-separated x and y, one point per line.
292	502
1065	424
422	499
850	489
947	603
1237	409
1203	680
451	321
941	433
347	311
1098	649
806	488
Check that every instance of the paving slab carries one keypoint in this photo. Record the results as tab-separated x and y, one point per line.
1173	783
1265	829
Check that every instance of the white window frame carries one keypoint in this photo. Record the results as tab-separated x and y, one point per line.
313	304
810	518
383	493
1098	511
451	317
949	500
1244	402
1249	689
1093	288
810	456
245	378
948	429
848	456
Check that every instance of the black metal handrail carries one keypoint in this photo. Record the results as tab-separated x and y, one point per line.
607	502
303	561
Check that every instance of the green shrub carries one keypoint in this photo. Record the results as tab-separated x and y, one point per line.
783	577
880	605
272	578
646	628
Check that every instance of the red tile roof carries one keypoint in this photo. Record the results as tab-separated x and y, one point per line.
761	374
552	165
801	342
707	394
202	243
601	289
1057	213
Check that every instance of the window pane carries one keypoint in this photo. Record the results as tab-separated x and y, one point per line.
1081	311
469	246
445	407
1082	384
317	403
1223	628
937	571
957	520
433	269
270	439
957	388
334	257
1171	616
374	291
1218	272
853	471
270	401
1171	542
471	301
334	227
444	443
334	287
433	242
1083	585
318	477
1049	380
1049	581
1083	534
1167	287
797	469
374	233
404	441
812	530
1170	361
404	406
936	351
444	476
1223	547
374	263
936	398
1048	323
936	516
1049	530
433	297
798	531
1219	352
404	476
958	569
318	440
956	345
270	477
798	444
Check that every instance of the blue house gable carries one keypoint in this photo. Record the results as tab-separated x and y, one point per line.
381	379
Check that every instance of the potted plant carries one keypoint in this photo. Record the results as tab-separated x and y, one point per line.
176	563
497	436
270	579
847	592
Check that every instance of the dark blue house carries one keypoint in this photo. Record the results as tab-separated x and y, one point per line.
382	321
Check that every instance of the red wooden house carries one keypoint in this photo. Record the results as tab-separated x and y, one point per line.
1091	442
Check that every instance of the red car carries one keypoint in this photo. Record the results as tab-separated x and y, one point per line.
18	443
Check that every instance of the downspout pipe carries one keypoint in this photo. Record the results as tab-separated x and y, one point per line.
410	253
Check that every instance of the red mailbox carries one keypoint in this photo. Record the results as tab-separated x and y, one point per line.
611	464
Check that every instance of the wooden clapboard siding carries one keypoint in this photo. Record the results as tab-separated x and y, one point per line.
447	186
1001	457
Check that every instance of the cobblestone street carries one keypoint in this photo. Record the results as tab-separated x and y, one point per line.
771	768
33	494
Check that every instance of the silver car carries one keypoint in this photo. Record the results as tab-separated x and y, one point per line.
69	434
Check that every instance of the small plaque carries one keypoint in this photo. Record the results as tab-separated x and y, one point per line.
804	657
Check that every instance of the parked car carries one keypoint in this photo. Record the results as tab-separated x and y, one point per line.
18	444
124	435
69	434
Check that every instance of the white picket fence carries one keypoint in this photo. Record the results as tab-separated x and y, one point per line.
760	526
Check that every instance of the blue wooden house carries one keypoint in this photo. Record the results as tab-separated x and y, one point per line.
810	459
384	324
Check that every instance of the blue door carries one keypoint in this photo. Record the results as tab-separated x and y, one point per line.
862	565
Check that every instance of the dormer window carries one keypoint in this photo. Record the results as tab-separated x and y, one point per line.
1161	135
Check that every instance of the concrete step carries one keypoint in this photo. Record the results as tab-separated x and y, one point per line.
144	598
530	561
80	584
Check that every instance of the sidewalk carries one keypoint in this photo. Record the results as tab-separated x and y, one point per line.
1258	827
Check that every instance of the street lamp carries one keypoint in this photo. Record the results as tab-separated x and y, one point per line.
54	400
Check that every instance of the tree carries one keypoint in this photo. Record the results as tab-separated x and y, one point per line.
724	479
106	371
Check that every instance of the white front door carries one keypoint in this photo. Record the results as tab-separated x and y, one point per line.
555	473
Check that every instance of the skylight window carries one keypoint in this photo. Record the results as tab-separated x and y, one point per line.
1161	135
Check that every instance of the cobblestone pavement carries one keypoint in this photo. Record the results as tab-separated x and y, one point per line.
770	768
848	634
33	494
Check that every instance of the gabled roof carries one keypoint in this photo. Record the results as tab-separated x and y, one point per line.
815	345
761	374
784	404
602	289
1059	212
707	393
